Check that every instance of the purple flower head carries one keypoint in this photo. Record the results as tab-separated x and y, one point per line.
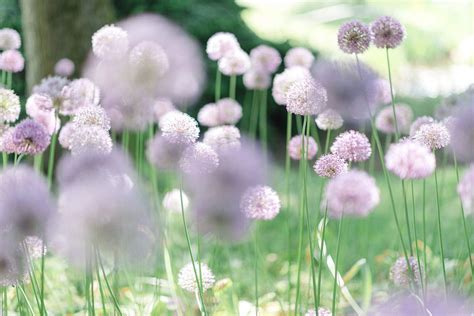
306	97
163	154
64	67
462	132
295	147
402	276
13	264
30	137
260	202
410	160
256	80
199	158
330	166
387	32
354	37
352	146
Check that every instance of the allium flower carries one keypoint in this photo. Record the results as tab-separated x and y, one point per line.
162	154
208	115
401	275
92	115
79	93
283	81
110	42
49	120
256	80
387	32
34	244
306	97
30	137
351	193
220	44
260	202
383	91
234	63
65	135
321	312
352	146
295	147
179	128
434	135
52	86
330	166
466	189
354	37
410	160
90	139
172	201
199	158
187	277
9	39
222	138
64	67
12	61
385	121
6	141
132	113
149	63
230	111
161	107
265	59
462	132
13	267
25	202
299	56
329	120
9	106
38	103
422	120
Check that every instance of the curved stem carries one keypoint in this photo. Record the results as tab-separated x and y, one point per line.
397	132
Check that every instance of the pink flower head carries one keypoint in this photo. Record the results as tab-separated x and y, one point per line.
229	110
179	128
199	158
223	138
299	56
422	120
265	59
295	147
387	32
385	121
283	81
12	61
434	135
260	202
256	80
330	166
220	44
306	97
329	120
64	67
110	42
208	115
354	37
352	146
410	160
37	104
49	120
234	63
30	137
9	39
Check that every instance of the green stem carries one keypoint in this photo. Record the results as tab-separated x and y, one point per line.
254	114
405	203
255	244
424	234
416	238
102	297
5	159
263	120
218	85
397	132
328	139
320	268
338	248
107	284
232	86
43	249
288	197
441	248
52	149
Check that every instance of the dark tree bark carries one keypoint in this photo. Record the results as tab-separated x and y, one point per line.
55	29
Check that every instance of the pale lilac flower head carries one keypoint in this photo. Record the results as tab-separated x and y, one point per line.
172	201
179	128
434	135
90	139
220	44
354	37
9	106
161	106
321	312
79	93
30	137
353	193
26	205
265	59
352	146
383	91
110	42
34	244
162	154
64	67
6	140
65	135
295	147
299	56
199	158
208	115
330	166
385	122
9	39
466	189
402	276
306	97
256	80
260	202
283	81
13	263
422	120
187	277
329	119
230	111
49	120
222	138
462	132
234	63
387	32
132	113
148	64
52	86
92	115
410	160
38	103
12	61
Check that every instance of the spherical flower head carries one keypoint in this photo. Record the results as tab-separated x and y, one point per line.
179	128
199	158
52	86
162	154
306	97
256	80
434	135
49	120
35	247
90	139
387	32
354	37
410	160
162	106
6	141
260	202
222	138
172	201
78	94
329	120
65	135
295	147
283	81
462	131
12	61
208	115
352	146
91	116
466	189
352	193
234	63
401	275
64	67
30	137
220	44
110	42
330	166
385	121
9	105
422	120
230	111
299	56
265	59
187	277
38	103
321	312
149	59
382	89
9	39
13	265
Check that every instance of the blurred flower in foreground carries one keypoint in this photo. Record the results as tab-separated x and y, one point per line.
35	247
187	277
387	32
110	42
199	158
64	67
321	312
260	202
265	59
299	56
37	103
330	166
9	105
462	132
222	138
161	106
283	81
172	201
329	120
401	275
295	147
466	189
220	44
12	61
256	80
9	39
163	154
306	97
352	146
410	160
385	121
434	135
354	37
13	268
422	120
90	138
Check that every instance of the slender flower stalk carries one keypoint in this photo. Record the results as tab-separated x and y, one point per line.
405	203
254	114
232	86
397	132
218	85
289	121
255	248
424	233
416	238
263	120
52	149
336	265
441	248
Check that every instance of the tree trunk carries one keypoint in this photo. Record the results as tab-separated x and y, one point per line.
55	29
